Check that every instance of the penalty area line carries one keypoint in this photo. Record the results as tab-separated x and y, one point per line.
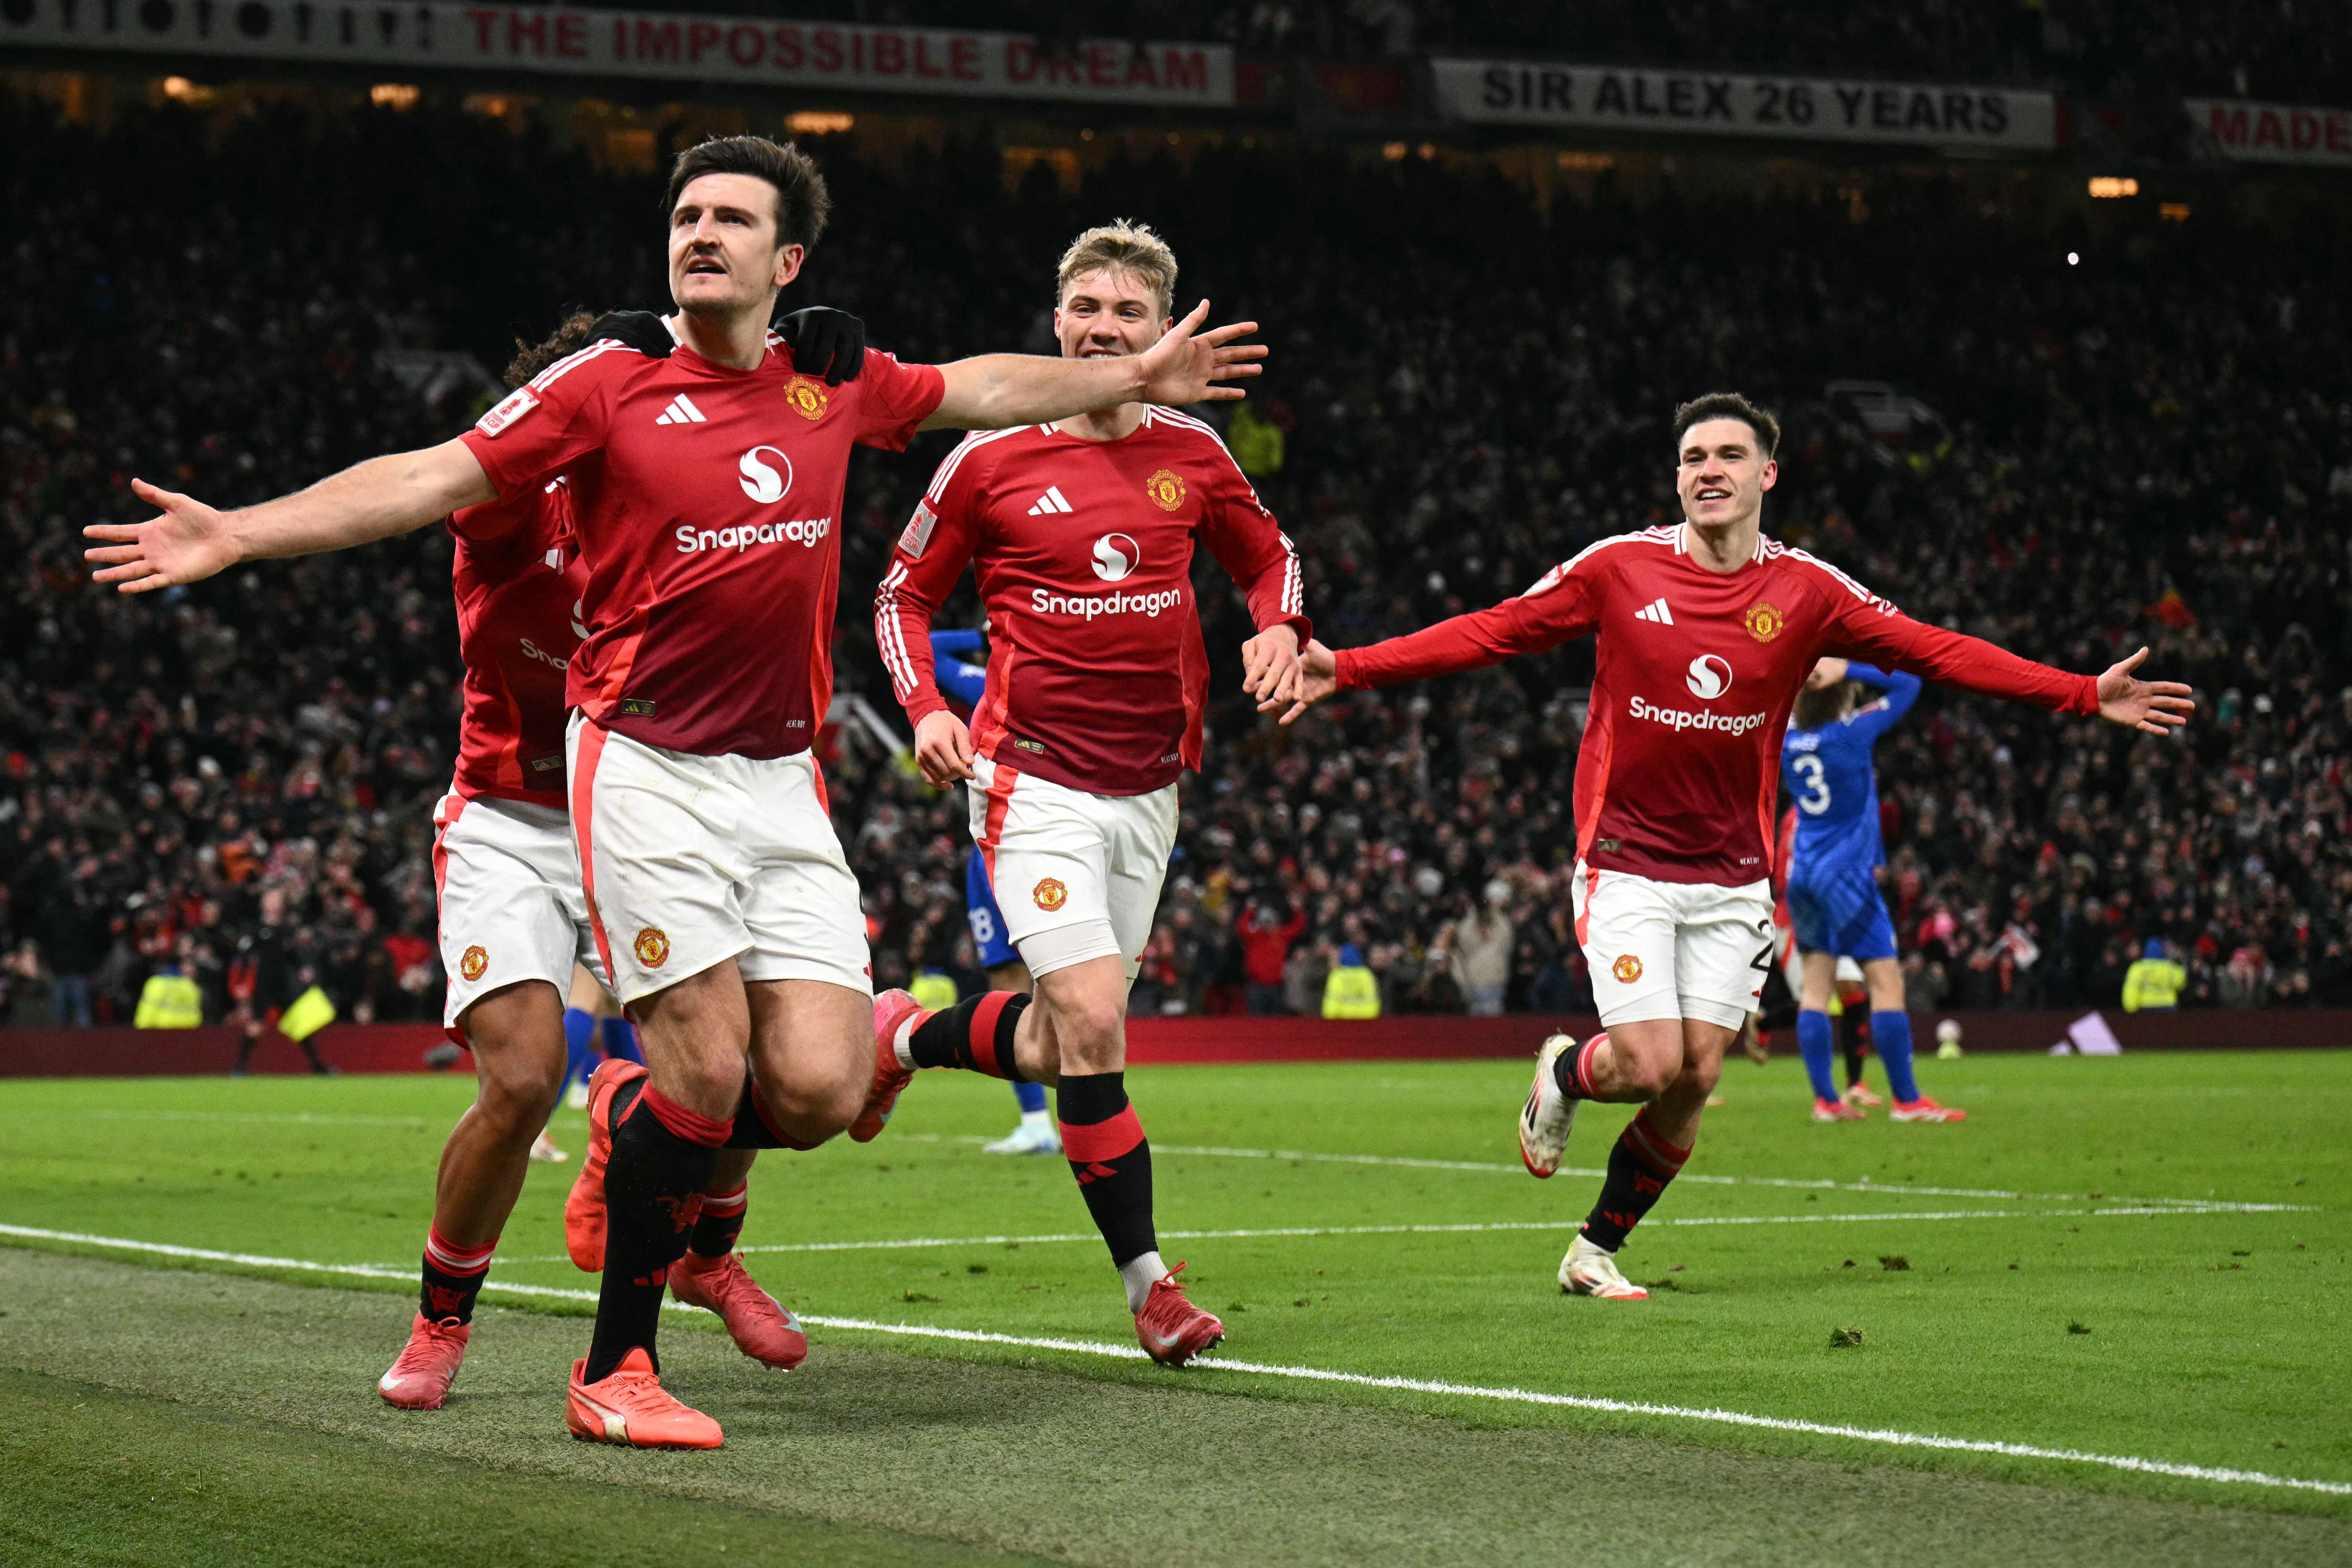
1887	1437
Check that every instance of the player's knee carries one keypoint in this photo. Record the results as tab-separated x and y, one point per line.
1647	1075
1091	1033
1700	1078
517	1098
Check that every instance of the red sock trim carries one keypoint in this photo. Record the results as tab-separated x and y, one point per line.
1101	1140
1580	1066
784	1139
692	1126
728	1205
983	1031
451	1258
1643	1138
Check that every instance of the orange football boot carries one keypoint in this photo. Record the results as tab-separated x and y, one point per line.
630	1406
420	1378
584	1210
759	1324
891	1009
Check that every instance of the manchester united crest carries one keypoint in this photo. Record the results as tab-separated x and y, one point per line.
1166	489
1050	894
807	397
1627	969
652	947
1765	621
474	962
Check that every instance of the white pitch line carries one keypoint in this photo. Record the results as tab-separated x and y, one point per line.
1493	1167
1886	1436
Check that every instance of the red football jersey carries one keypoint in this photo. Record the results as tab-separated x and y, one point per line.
518	579
1695	673
1083	551
708	502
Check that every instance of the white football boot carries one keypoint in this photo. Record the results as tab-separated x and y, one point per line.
1591	1270
1036	1135
543	1150
1544	1124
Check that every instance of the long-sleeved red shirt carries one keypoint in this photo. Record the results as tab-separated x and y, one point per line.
1082	550
1696	672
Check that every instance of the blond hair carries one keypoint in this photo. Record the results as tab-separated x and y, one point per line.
1122	246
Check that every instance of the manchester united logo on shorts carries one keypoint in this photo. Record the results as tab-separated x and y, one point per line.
1050	894
652	947
1166	489
806	395
1627	969
1764	622
472	964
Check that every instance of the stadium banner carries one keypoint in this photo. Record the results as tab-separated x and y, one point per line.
1715	103
2273	132
618	43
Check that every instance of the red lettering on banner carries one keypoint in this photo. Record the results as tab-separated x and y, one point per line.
657	41
2229	126
535	30
483	22
700	37
572	35
857	53
963	58
1139	70
890	55
923	65
2339	136
2304	128
1100	69
740	40
828	51
1020	59
2268	132
1187	71
790	56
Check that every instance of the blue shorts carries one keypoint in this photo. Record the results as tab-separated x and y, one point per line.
987	921
1843	915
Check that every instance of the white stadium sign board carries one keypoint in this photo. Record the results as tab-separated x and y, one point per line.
1717	103
661	44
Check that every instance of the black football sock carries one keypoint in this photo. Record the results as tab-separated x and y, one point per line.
975	1034
1640	1166
752	1129
1572	1069
720	1222
662	1158
453	1277
1111	1159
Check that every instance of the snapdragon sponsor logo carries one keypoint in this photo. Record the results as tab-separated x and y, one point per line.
1045	601
533	650
1683	719
807	531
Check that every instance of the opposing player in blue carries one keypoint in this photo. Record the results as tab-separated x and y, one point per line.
1036	1134
1834	903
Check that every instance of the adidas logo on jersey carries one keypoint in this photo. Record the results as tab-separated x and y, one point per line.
1051	502
1655	611
682	411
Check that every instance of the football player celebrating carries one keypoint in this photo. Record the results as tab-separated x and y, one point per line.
1081	536
1704	633
707	488
513	926
1834	898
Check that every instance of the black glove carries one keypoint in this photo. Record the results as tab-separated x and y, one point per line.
641	330
831	343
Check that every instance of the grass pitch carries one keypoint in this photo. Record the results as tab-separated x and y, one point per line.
2139	1258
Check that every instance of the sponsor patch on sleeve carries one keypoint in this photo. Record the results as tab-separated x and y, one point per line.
917	538
518	402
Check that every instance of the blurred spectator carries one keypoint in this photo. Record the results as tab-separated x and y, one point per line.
1481	952
2154	982
1267	935
1351	990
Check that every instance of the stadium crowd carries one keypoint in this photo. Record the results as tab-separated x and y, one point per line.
237	779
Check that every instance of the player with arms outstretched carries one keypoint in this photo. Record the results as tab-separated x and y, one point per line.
1834	903
706	489
1704	632
1081	536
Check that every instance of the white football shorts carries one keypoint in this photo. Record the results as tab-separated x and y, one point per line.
507	874
692	861
1672	950
1076	875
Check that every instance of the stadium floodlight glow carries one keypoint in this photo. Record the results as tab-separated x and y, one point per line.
2073	258
2107	186
1394	152
2173	212
819	123
397	95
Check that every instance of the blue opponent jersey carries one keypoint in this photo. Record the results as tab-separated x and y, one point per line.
967	683
1827	773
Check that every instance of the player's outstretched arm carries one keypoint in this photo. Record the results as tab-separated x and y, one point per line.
1973	664
994	392
367	502
1312	678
